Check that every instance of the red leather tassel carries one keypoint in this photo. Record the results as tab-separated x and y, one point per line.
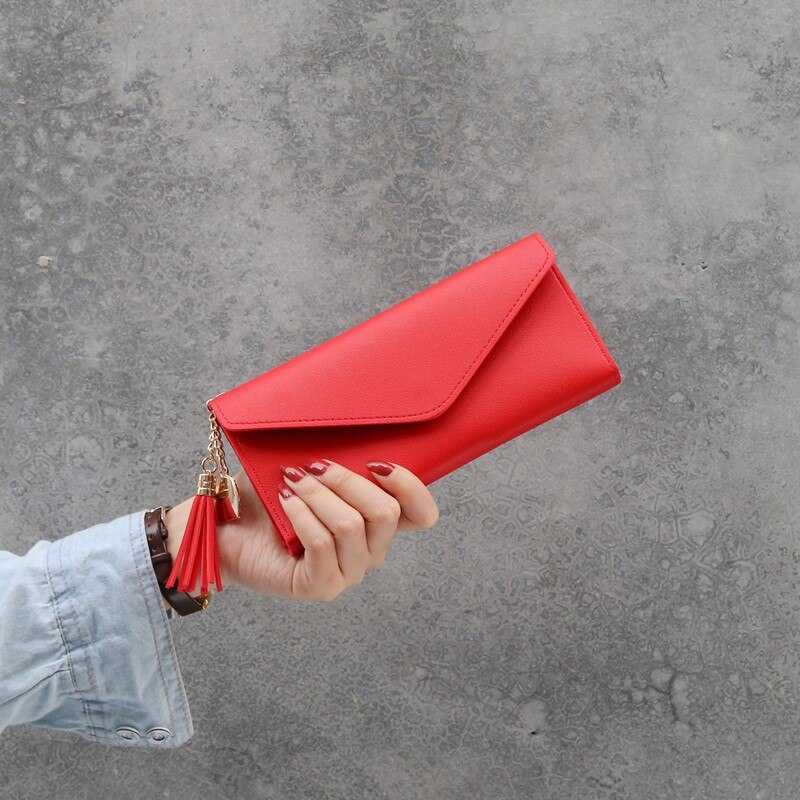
198	551
225	510
227	498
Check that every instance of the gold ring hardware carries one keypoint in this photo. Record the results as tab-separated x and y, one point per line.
206	469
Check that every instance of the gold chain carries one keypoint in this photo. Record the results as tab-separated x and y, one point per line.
221	484
215	443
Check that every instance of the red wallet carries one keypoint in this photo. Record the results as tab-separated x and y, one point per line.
431	383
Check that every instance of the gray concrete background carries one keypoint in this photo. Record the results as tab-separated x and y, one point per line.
609	606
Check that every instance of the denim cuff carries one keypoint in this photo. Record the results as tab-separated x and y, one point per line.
117	636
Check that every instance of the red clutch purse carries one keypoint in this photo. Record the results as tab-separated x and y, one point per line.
432	382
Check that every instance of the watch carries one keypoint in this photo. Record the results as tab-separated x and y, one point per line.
155	528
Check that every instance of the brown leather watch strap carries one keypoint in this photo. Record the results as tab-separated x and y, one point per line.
156	531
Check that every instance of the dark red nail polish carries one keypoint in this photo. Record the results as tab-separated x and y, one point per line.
285	491
383	468
318	466
293	473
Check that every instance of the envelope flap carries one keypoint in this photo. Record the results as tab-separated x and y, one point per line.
408	363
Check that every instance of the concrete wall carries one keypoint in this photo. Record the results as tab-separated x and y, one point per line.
192	192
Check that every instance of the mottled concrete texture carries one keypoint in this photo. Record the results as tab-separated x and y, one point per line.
609	607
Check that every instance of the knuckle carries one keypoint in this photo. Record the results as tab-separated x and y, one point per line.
350	524
320	545
389	512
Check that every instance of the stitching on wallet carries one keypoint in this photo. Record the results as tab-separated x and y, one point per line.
438	405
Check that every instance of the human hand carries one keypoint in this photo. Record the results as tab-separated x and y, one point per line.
344	520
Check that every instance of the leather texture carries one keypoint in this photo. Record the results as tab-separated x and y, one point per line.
431	383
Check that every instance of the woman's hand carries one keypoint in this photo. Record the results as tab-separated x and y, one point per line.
345	522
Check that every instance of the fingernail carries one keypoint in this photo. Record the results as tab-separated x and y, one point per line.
284	491
293	473
318	466
380	467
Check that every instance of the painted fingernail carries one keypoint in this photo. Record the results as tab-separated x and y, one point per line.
318	466
383	468
293	473
284	491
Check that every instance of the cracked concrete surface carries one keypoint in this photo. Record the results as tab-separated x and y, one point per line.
608	607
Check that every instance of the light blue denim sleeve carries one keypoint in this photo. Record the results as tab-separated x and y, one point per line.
85	642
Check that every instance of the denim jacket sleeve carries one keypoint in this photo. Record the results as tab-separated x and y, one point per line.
85	642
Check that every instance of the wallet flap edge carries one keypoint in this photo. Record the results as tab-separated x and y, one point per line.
229	413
